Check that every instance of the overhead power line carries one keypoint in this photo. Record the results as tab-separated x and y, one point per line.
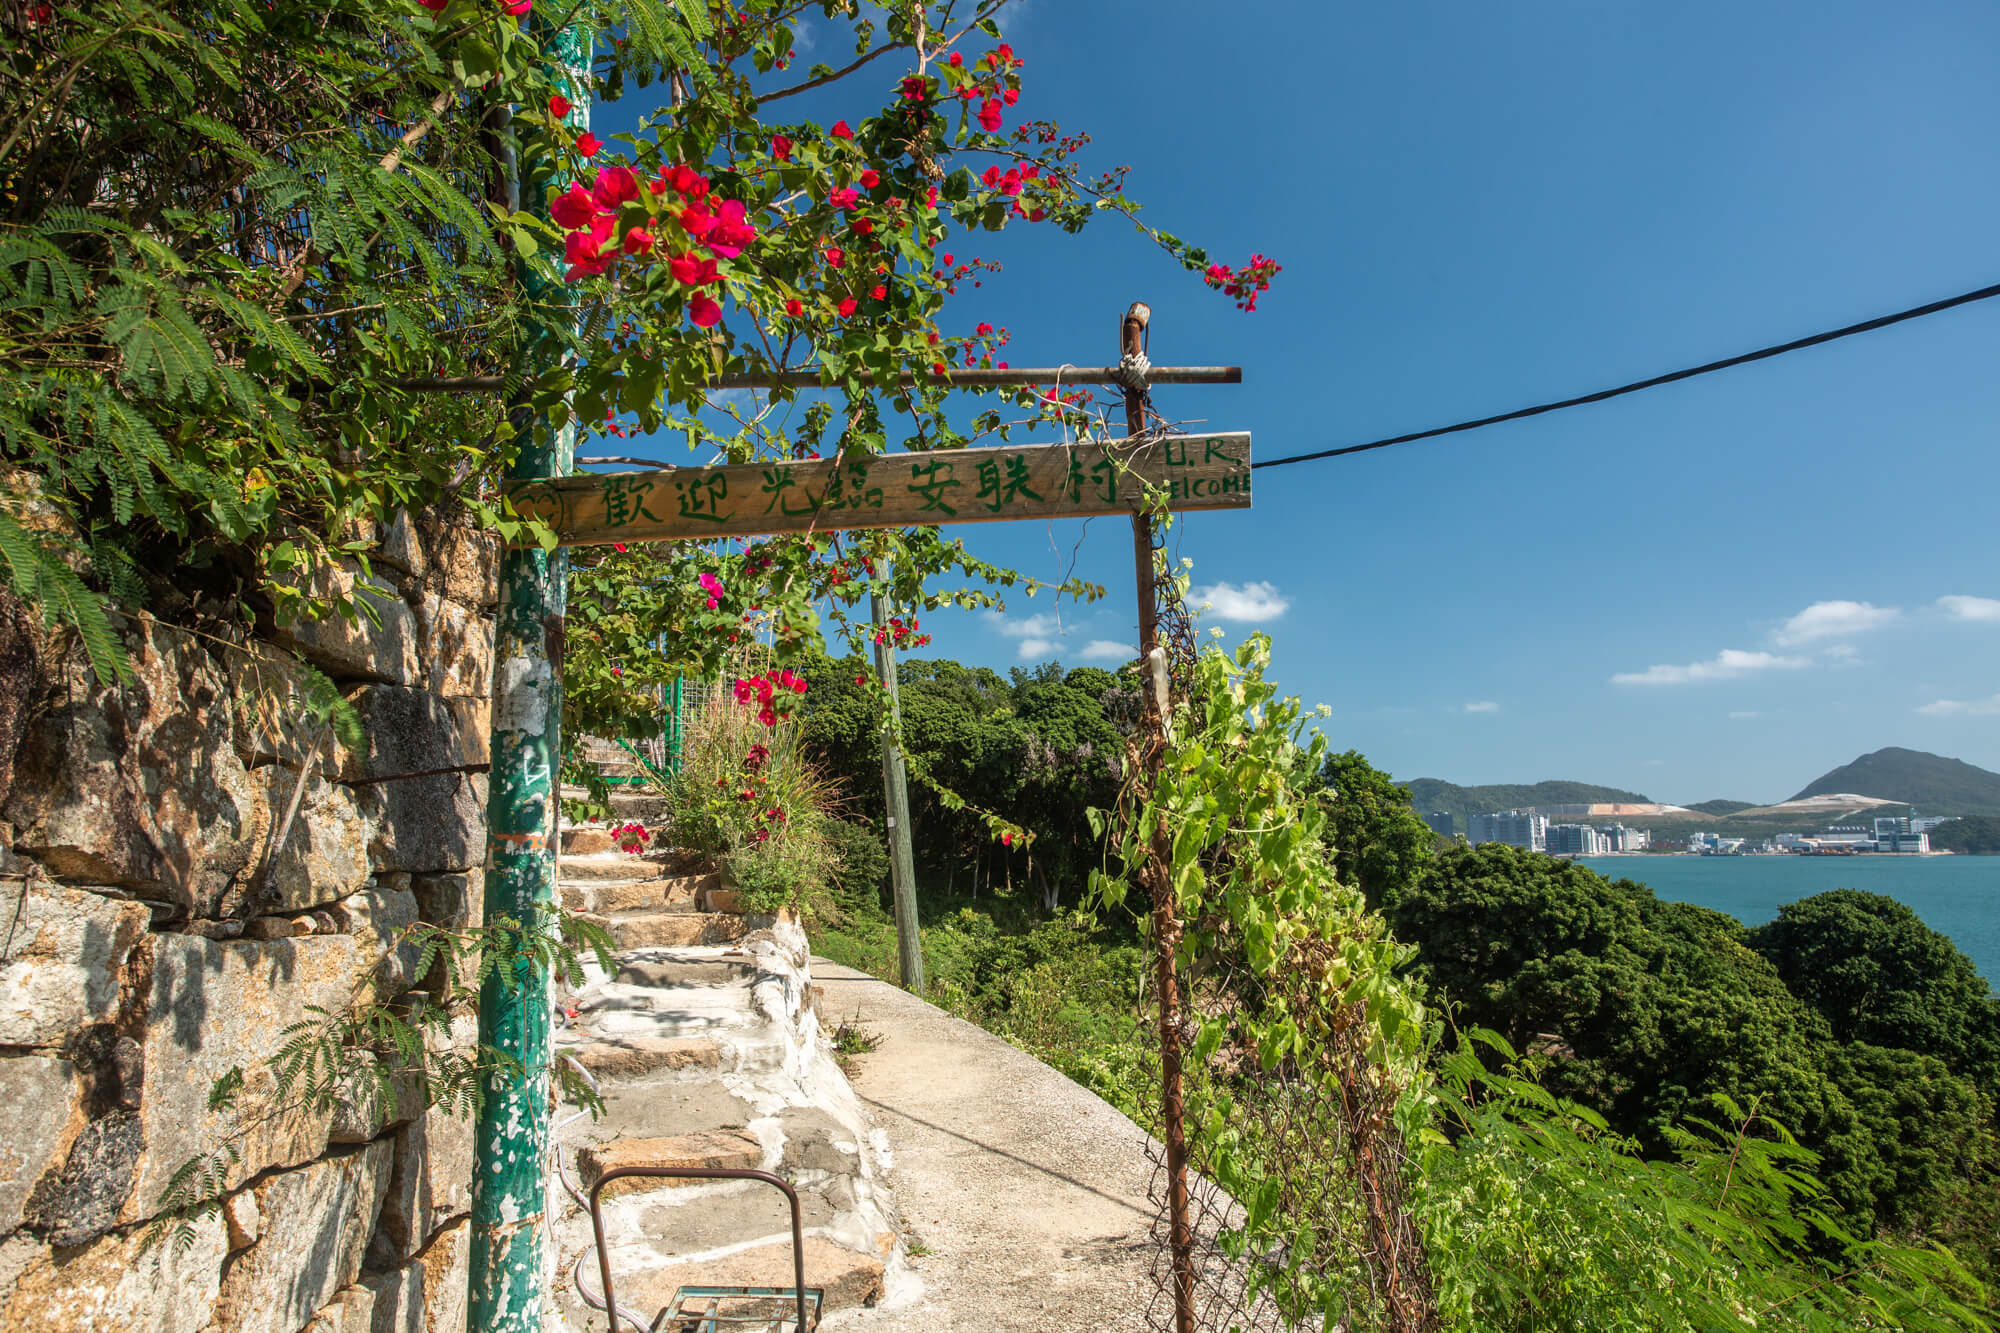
1763	353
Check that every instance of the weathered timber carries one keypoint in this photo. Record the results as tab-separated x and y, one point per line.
890	490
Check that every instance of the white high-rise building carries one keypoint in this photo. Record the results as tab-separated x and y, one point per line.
1528	832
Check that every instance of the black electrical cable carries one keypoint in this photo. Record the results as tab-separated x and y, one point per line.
1815	340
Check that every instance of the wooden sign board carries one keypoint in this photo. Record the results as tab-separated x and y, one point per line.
890	490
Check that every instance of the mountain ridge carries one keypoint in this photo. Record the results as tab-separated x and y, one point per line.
1462	803
1933	783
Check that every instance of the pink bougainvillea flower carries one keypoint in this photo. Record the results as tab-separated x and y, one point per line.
704	311
984	328
795	307
574	208
870	179
989	116
956	61
697	221
693	271
840	130
617	671
1011	96
1006	840
732	230
657	186
947	259
638	241
781	148
618	547
845	197
835	256
879	292
588	144
615	186
848	307
518	8
916	88
863	227
584	249
990	178
689	181
435	6
937	367
558	105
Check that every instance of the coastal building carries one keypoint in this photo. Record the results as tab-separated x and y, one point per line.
1440	822
1528	832
1897	834
1575	840
1622	838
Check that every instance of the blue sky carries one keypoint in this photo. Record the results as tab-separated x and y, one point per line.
1720	588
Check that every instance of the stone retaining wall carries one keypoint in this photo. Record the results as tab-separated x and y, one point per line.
139	961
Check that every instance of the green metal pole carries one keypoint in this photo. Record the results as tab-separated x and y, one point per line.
511	1265
896	796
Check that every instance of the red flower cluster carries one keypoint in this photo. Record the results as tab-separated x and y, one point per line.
1244	285
713	587
901	634
772	692
590	217
630	837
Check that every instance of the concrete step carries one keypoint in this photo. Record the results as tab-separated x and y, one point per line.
639	1056
711	1148
645	807
611	865
664	972
602	896
849	1279
668	929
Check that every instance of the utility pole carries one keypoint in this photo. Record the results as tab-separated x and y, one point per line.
511	1256
896	797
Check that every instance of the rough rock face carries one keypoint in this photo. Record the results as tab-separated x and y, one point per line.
140	787
315	1227
380	643
115	1282
147	959
67	962
20	654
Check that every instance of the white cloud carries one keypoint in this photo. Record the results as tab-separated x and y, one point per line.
1483	706
1108	650
1740	714
1833	620
1039	634
1962	707
1725	665
1256	600
1970	608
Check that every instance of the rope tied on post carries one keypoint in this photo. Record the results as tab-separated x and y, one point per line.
1133	372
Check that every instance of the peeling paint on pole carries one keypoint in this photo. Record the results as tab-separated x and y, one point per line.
511	1268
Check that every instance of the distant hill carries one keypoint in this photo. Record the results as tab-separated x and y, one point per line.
1934	784
1723	807
1428	794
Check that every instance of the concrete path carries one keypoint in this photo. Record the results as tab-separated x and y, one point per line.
1024	1194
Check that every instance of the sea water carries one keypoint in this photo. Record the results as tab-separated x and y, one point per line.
1957	896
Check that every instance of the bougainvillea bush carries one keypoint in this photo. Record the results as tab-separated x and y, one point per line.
745	796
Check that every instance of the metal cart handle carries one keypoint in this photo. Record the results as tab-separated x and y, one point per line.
696	1173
